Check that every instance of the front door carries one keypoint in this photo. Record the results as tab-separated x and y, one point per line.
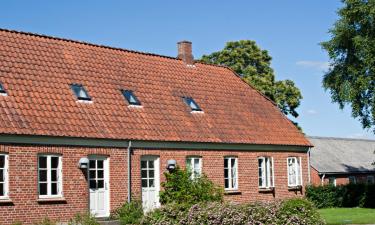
150	182
98	181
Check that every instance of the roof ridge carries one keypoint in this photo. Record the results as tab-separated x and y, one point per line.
341	138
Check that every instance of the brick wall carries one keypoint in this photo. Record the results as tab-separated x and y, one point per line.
23	178
341	179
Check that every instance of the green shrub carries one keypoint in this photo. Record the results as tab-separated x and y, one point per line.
292	212
83	219
129	213
179	188
46	221
350	195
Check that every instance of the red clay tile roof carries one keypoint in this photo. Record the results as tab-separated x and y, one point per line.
37	70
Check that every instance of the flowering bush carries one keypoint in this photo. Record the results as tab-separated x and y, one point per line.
295	211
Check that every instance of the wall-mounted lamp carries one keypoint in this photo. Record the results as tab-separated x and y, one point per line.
83	163
171	165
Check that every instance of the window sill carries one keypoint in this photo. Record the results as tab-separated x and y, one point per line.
6	201
295	188
266	190
52	200
232	192
135	106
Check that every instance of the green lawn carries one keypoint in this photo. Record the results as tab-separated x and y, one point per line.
348	215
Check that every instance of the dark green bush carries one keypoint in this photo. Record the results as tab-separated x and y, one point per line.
83	219
291	212
129	213
350	195
180	189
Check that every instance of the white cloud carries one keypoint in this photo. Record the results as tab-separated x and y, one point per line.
318	65
312	112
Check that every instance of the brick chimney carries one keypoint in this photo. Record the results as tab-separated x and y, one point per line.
185	52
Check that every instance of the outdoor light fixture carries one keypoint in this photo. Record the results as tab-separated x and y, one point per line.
83	163
171	165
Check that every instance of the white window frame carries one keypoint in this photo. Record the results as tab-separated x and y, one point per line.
334	180
190	163
266	170
49	182
233	181
370	179
352	178
6	176
298	171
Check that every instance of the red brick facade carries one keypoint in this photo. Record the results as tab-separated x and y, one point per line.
341	179
24	206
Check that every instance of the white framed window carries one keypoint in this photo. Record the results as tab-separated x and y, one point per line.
194	165
49	176
352	180
370	180
4	178
230	173
265	168
294	171
332	181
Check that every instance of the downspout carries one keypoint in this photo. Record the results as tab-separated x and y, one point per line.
308	164
324	175
129	172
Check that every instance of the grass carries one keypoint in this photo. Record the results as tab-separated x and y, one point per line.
348	215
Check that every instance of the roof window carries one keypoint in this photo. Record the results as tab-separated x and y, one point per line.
80	92
192	104
2	90
130	97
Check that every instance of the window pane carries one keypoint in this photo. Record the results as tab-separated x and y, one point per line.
151	173
100	164
233	164
151	183
92	174
53	175
42	188
2	161
144	183
143	164
42	175
226	163
92	184
100	183
151	164
226	183
2	191
196	163
226	173
54	188
92	164
2	178
100	174
42	162
55	162
144	173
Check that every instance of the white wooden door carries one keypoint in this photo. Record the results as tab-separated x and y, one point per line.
150	182
99	186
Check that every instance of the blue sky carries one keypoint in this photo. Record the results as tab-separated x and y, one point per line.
290	30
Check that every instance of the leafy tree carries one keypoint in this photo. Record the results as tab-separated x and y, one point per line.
351	77
254	65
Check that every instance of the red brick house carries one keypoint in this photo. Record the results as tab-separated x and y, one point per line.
88	127
339	161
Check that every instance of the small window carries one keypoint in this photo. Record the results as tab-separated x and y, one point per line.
80	92
265	167
4	181
192	104
230	173
370	180
130	97
352	180
194	166
294	171
49	176
332	181
2	90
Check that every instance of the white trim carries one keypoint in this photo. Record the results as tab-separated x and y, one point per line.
230	178
6	176
297	170
267	172
49	179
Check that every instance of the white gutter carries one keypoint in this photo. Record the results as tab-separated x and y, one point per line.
308	164
323	178
129	172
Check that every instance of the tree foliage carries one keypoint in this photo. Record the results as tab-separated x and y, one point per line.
351	77
254	65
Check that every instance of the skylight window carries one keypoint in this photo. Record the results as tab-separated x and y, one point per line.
2	90
80	92
130	97
192	104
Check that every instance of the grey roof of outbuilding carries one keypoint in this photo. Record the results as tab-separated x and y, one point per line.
342	155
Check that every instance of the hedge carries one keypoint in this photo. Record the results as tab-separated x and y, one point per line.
350	195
